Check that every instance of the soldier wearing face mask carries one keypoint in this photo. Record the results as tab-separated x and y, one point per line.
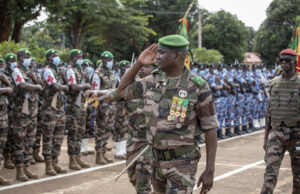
25	114
53	118
104	79
11	63
76	112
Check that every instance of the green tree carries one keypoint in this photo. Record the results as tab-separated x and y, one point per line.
275	33
10	47
225	33
202	55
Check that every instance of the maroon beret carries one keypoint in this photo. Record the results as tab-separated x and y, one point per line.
288	52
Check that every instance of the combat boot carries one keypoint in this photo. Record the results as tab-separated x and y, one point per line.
7	161
3	181
99	158
36	156
49	168
199	139
28	173
228	133
107	159
107	148
238	131
21	176
73	163
81	163
220	135
245	129
57	168
251	127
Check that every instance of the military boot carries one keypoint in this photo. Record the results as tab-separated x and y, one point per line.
251	127
73	163
199	139
107	159
7	161
49	168
220	135
81	163
238	131
228	133
21	176
3	181
28	173
36	156
99	158
57	168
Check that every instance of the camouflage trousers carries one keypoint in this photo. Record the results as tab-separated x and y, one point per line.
53	123
175	176
90	122
37	144
75	124
140	172
282	139
24	137
8	149
105	126
121	123
3	131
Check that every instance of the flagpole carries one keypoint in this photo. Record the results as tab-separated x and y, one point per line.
188	10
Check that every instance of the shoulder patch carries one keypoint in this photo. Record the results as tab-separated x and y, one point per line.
155	71
198	80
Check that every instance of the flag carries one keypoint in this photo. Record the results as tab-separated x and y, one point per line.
183	30
295	45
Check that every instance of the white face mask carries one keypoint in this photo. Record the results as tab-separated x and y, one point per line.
109	64
13	65
56	60
26	62
79	62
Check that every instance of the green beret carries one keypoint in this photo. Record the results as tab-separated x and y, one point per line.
75	52
123	63
33	58
107	54
24	50
174	42
50	51
2	60
10	56
87	62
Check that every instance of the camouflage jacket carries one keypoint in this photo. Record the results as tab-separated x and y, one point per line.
173	106
25	102
75	75
108	79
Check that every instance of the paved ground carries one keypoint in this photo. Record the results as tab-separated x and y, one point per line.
239	169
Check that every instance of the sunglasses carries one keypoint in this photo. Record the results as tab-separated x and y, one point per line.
285	59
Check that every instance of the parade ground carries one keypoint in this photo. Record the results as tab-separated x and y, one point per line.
239	170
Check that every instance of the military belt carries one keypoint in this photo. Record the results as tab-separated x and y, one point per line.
171	154
282	124
140	133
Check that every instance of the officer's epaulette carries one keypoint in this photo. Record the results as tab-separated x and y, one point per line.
198	80
155	71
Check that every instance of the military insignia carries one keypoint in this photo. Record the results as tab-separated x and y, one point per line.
18	77
106	55
181	120
11	57
198	80
96	82
183	115
182	93
178	125
170	118
177	114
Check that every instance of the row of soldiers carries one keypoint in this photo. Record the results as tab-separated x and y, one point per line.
39	104
240	95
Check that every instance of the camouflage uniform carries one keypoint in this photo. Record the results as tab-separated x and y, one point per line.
106	112
285	133
25	118
76	113
172	136
3	122
8	149
140	172
121	122
53	120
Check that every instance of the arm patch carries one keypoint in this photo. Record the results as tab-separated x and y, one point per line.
198	80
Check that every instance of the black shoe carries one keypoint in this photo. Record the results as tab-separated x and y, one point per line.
199	139
245	129
220	135
238	131
251	127
228	133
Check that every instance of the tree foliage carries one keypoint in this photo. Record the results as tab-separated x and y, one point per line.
224	32
283	16
202	55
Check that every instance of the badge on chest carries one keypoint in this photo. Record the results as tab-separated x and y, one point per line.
178	109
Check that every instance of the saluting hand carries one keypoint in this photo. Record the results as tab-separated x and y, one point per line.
148	56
